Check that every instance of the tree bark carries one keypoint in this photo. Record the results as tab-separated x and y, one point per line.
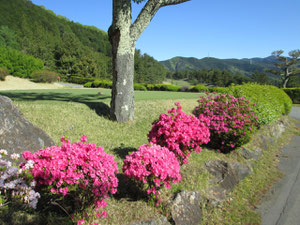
123	36
122	102
285	81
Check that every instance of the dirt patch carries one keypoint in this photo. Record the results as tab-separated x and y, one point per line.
16	83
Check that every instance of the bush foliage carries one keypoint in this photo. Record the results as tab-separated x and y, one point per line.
44	76
3	74
268	102
231	120
180	133
19	64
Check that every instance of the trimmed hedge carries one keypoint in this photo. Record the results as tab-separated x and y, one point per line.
293	93
269	102
139	87
162	87
102	84
198	88
80	80
88	84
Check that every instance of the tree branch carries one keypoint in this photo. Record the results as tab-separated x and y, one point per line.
146	15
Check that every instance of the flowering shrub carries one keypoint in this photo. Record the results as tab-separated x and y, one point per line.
232	121
15	184
153	165
180	133
83	169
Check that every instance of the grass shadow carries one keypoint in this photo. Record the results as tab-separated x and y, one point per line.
129	189
122	151
90	98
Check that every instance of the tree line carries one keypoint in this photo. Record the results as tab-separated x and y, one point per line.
66	47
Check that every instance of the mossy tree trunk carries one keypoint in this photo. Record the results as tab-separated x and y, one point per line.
123	35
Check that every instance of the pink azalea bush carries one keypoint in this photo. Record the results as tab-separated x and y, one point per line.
180	133
15	184
232	120
153	165
82	169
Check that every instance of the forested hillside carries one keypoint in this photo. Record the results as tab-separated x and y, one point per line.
243	66
68	48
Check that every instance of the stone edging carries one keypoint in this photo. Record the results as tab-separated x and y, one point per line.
186	205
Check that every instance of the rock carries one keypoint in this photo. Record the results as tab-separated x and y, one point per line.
266	141
16	133
247	154
227	175
186	208
159	221
241	170
216	195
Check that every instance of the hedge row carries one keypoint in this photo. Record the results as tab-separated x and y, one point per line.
294	94
139	87
268	101
80	80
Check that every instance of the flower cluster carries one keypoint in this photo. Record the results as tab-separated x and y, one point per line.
154	165
82	167
180	133
232	121
14	182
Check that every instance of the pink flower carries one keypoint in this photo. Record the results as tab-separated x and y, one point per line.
80	166
26	155
80	222
180	133
154	165
83	139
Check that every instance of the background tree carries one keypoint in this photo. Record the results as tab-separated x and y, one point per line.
123	35
286	66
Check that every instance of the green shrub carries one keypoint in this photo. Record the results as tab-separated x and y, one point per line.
3	74
150	87
19	64
293	93
44	76
88	84
231	120
102	84
220	90
165	87
270	101
80	80
139	87
198	88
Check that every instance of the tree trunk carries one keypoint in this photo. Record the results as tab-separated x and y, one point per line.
122	102
285	81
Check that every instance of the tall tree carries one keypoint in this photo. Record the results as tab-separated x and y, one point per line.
123	35
286	65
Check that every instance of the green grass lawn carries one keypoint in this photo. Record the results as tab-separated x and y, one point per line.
77	112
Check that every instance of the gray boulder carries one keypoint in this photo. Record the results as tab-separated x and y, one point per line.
226	177
16	133
159	221
186	208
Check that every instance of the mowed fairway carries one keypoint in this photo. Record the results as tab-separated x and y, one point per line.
76	112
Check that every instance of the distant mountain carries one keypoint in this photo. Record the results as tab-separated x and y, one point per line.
245	66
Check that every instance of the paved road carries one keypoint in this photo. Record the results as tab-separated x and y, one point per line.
282	204
71	85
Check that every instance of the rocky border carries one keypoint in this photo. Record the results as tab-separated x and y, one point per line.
186	206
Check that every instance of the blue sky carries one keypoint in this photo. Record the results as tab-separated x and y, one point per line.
201	28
